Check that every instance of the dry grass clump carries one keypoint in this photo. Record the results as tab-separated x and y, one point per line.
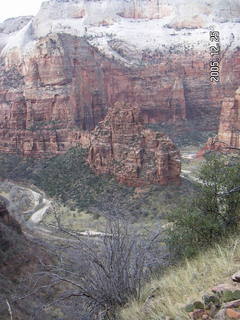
167	295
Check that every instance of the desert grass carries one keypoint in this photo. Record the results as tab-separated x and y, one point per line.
166	295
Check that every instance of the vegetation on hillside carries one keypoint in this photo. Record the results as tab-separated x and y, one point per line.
190	133
203	235
201	221
69	179
66	177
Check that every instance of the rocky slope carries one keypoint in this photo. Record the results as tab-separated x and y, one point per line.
220	303
21	263
136	156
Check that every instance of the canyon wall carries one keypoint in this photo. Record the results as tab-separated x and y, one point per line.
51	98
61	71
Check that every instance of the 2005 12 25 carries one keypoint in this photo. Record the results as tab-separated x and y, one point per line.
215	56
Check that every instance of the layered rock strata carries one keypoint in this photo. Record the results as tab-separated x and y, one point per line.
120	145
63	69
51	99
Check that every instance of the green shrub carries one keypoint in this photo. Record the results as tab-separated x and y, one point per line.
212	214
192	230
219	176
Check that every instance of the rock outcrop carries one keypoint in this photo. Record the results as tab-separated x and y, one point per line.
120	145
222	302
7	220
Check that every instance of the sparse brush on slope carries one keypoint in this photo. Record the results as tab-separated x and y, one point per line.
67	177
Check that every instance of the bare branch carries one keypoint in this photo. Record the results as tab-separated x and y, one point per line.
9	309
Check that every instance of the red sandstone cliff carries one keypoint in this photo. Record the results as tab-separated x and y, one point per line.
135	156
50	99
229	127
61	72
64	69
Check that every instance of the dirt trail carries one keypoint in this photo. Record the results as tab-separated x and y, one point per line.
190	166
41	205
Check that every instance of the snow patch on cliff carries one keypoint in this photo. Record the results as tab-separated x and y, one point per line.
146	34
22	39
99	22
14	24
3	40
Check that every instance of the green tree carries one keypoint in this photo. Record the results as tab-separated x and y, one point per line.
213	213
219	177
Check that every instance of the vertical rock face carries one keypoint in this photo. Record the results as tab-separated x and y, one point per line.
152	9
135	156
51	98
229	127
101	11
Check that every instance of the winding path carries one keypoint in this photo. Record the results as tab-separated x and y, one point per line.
41	206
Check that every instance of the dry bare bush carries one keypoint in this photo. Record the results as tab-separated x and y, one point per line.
104	272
